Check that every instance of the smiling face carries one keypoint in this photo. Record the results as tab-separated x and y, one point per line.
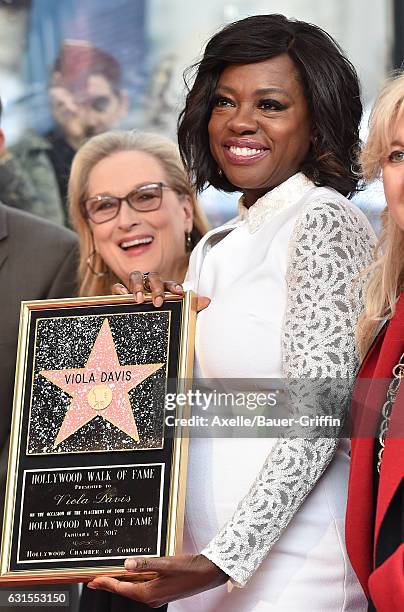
145	241
393	174
260	128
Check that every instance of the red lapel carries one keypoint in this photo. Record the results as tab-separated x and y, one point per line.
359	520
369	396
392	467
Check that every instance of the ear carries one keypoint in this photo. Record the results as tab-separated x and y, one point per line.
187	207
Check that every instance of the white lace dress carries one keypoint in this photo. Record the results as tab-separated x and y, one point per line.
283	305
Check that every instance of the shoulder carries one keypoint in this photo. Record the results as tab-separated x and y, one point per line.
30	142
328	216
331	239
27	229
325	204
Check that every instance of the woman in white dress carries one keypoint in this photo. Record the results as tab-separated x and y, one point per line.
274	113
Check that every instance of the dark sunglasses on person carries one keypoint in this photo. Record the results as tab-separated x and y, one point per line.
146	198
99	103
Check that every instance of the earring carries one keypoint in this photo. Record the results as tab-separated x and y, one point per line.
90	264
188	242
220	172
356	169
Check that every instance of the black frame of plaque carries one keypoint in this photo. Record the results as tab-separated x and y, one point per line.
142	513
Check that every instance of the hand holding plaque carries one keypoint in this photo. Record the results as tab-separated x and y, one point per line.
157	289
177	577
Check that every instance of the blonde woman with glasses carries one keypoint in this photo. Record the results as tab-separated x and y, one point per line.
133	208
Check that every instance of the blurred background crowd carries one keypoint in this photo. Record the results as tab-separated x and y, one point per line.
71	69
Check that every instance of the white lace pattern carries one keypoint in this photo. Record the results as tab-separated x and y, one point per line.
330	245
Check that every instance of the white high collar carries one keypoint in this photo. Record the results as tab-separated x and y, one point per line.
275	201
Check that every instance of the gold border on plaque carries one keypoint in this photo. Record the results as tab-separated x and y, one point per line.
176	504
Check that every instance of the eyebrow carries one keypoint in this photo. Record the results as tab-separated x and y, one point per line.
397	143
104	194
259	92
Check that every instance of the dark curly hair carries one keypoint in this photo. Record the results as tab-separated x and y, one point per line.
329	80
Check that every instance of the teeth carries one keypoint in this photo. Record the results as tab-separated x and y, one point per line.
245	151
131	243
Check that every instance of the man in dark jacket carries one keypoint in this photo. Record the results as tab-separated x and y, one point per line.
38	260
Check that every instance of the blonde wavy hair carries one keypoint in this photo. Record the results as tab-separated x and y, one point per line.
92	152
386	273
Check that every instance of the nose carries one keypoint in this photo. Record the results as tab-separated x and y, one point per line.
243	120
128	217
91	119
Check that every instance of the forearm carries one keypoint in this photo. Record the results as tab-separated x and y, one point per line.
287	477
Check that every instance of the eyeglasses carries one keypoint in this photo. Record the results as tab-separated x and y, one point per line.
145	198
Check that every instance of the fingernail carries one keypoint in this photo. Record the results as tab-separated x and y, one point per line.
158	301
139	296
91	586
130	564
178	288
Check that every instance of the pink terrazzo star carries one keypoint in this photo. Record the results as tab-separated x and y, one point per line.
101	388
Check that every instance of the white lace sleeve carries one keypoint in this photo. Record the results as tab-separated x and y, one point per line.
331	244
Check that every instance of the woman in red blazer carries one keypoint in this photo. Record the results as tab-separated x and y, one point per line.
375	512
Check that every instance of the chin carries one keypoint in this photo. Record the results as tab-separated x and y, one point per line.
246	180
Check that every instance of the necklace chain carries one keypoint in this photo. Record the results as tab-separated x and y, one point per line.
398	373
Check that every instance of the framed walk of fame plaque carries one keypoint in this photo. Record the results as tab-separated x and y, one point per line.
94	476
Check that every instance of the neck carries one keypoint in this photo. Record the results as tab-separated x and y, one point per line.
73	142
179	271
249	198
